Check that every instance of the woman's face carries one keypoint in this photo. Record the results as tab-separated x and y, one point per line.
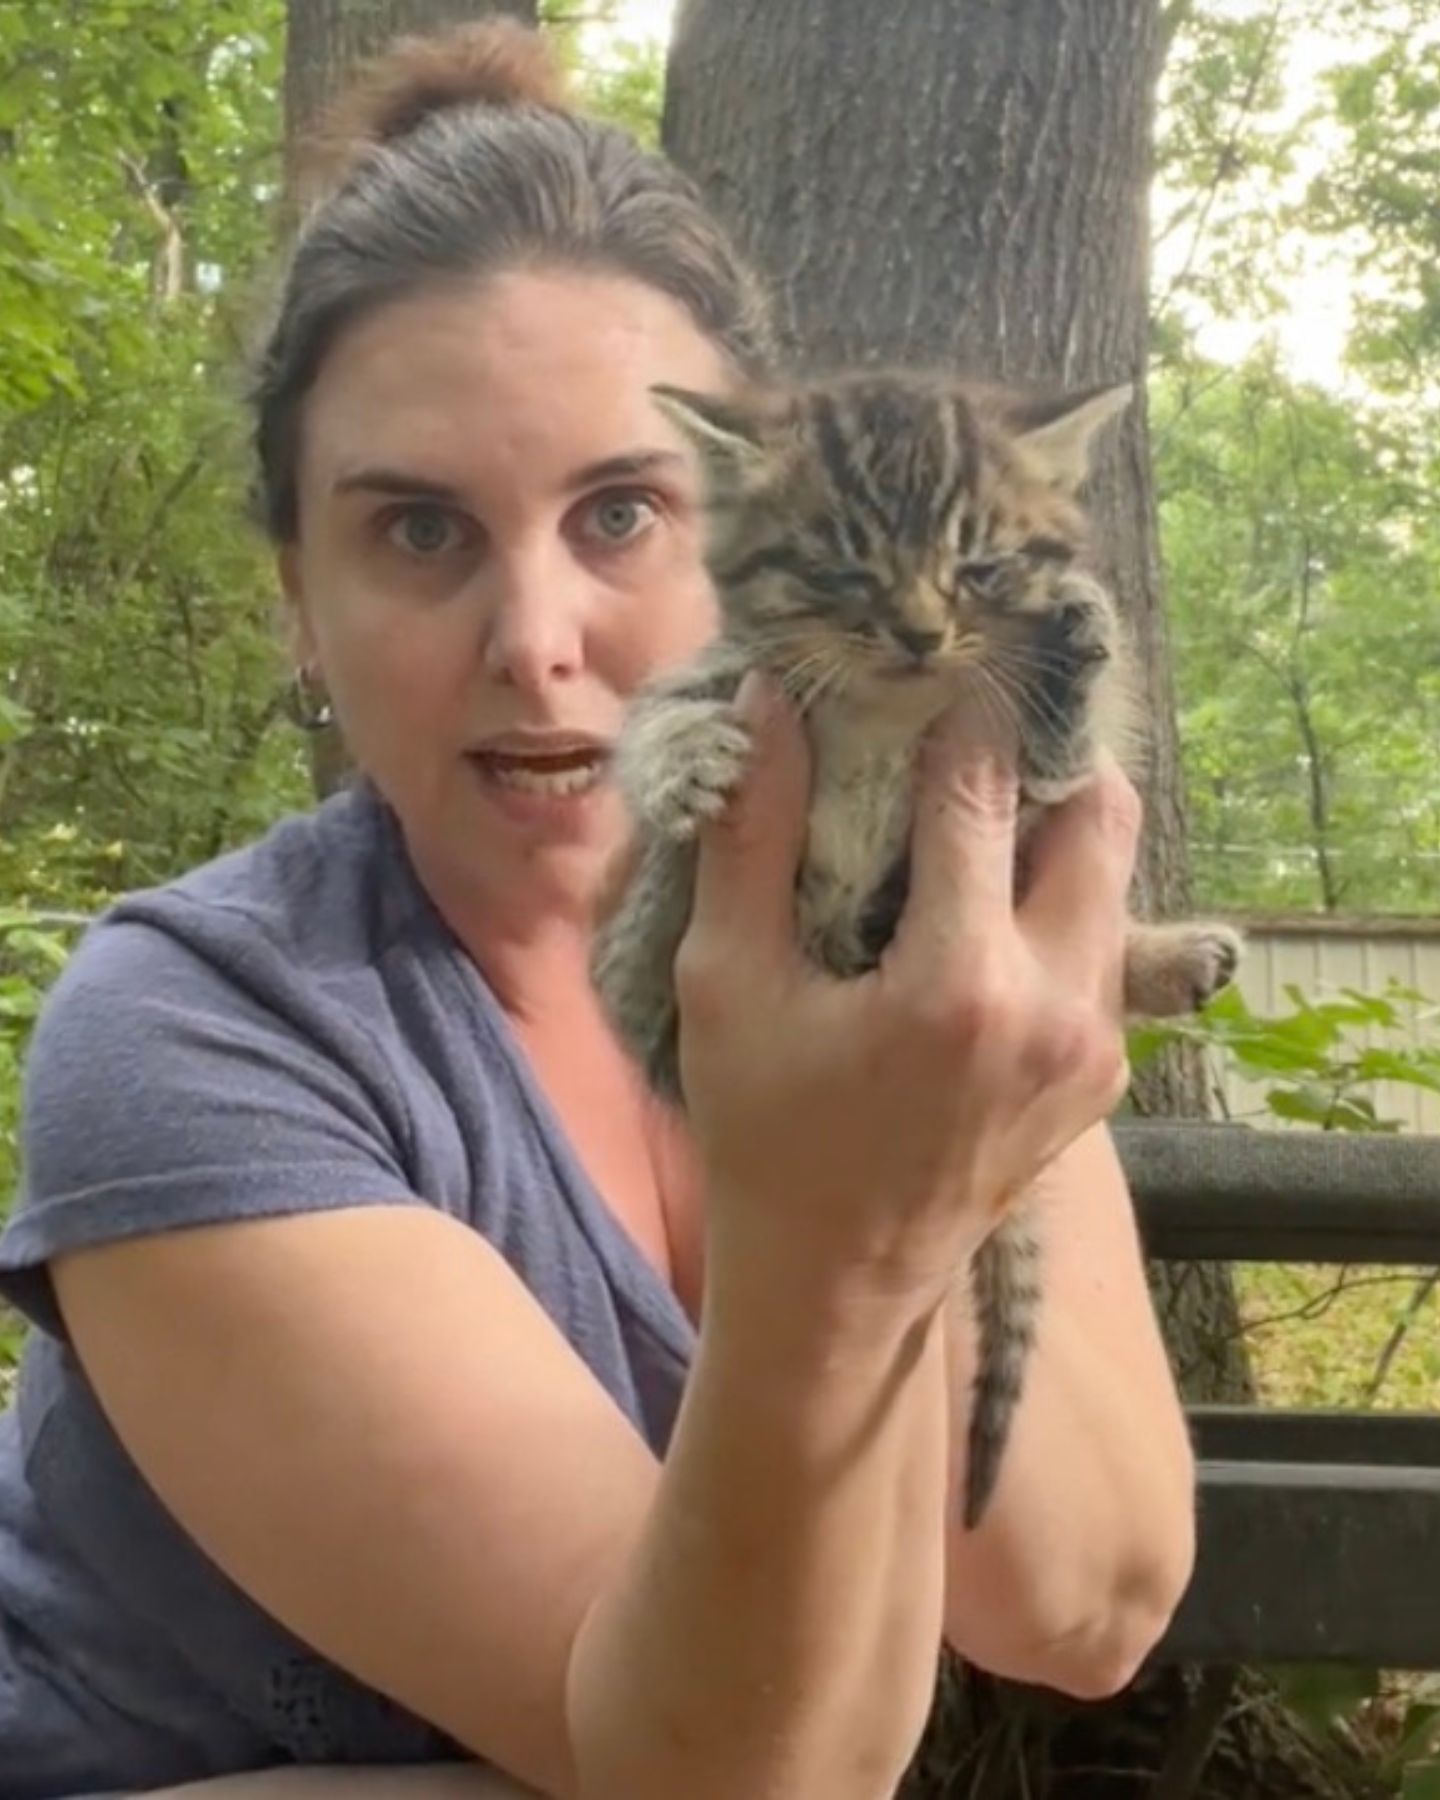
499	540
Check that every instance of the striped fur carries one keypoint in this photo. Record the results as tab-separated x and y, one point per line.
882	544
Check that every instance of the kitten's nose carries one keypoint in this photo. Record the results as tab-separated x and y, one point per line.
918	642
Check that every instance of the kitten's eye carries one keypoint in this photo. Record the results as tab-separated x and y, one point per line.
989	577
616	518
844	584
423	529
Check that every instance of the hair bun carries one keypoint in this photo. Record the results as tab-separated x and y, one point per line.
490	62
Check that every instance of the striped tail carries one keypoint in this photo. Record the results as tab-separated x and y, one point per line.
1005	1295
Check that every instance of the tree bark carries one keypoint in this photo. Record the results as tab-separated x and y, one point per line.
964	183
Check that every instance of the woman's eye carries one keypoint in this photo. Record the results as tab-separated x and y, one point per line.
423	530
616	518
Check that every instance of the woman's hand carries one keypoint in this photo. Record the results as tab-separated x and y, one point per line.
876	1128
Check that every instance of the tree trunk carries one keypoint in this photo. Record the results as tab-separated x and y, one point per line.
324	41
994	221
964	183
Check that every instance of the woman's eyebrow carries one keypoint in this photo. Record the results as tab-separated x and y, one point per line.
626	467
630	465
395	481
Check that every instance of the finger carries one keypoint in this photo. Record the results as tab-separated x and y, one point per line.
749	856
1081	860
962	849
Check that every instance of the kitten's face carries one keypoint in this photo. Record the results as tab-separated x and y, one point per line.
883	530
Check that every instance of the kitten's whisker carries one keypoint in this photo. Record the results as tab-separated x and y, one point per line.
1022	698
992	693
828	678
1036	700
1033	656
804	679
798	678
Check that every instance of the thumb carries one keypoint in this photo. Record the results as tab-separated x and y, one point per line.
749	856
962	850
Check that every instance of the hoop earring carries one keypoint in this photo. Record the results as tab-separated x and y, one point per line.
306	704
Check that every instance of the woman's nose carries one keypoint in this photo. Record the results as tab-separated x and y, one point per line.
534	630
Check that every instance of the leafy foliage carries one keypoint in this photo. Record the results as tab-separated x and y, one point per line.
1319	1063
1379	192
1297	166
139	674
1303	558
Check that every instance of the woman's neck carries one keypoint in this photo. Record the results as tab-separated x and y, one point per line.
540	976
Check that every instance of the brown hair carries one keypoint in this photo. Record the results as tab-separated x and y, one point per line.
454	157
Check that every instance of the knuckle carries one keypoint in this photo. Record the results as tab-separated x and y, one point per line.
975	1009
1056	1046
1079	1047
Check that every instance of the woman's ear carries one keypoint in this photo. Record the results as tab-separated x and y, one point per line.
299	636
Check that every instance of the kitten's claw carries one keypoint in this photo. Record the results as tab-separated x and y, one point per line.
1178	968
681	764
1213	957
1085	620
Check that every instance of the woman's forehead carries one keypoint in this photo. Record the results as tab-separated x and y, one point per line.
551	362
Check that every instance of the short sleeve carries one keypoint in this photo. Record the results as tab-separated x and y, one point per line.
164	1089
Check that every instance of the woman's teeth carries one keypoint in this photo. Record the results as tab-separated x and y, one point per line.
535	778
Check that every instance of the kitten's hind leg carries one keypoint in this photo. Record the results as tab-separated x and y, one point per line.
1172	969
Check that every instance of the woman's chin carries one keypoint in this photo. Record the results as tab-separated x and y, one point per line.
555	853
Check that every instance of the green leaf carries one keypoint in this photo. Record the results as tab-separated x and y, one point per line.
1310	1103
15	720
1419	1734
1322	1694
1421	1781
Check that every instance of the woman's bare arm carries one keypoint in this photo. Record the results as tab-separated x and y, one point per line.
366	1420
1075	1572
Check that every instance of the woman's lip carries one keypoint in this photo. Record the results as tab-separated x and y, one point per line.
560	743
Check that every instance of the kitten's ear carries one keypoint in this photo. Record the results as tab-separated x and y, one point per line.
1058	432
725	433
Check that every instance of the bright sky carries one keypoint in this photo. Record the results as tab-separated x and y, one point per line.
1311	332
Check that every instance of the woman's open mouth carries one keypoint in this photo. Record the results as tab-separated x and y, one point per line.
560	772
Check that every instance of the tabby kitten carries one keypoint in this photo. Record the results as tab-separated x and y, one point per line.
882	543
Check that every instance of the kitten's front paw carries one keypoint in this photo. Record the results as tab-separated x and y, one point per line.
680	765
1173	969
1084	621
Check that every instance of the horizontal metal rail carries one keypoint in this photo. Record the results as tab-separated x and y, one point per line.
1313	1562
1227	1193
1278	1435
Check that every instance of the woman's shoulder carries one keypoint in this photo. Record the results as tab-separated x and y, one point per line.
254	985
319	889
220	1047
